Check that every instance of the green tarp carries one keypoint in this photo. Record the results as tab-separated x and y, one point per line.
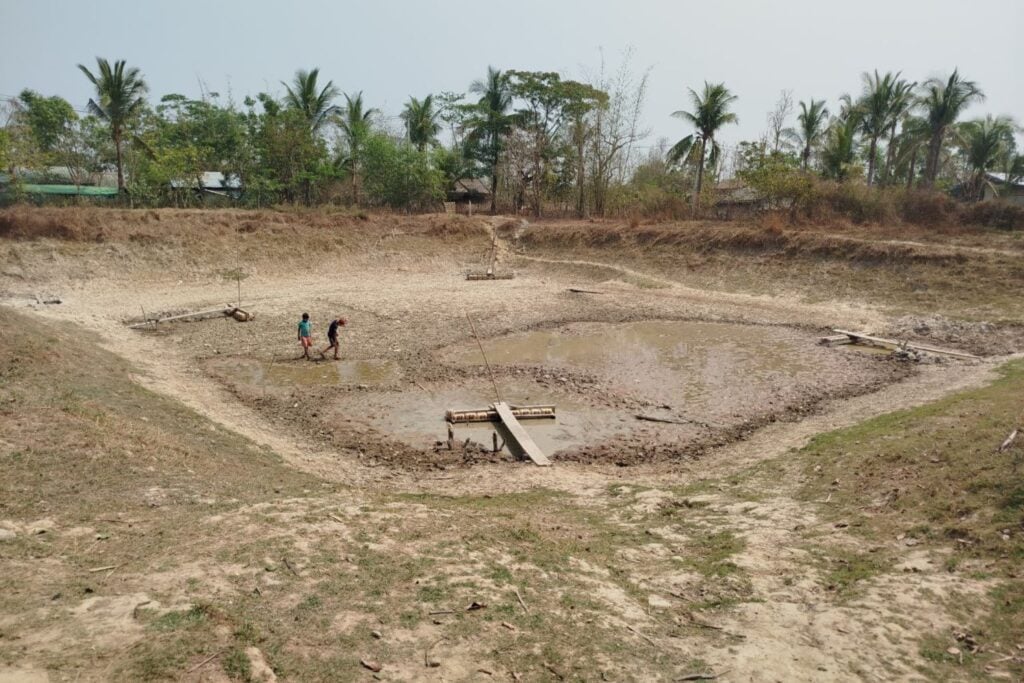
83	190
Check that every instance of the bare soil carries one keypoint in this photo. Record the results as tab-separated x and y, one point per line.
334	507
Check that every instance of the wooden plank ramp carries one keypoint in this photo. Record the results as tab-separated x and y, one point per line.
856	336
520	436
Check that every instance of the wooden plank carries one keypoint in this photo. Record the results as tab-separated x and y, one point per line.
520	436
491	415
223	310
909	345
837	340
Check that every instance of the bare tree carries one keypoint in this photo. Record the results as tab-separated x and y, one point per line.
777	129
616	126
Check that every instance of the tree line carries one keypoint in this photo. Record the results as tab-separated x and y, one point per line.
540	141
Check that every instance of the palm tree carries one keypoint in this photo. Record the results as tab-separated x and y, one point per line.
985	142
902	101
876	112
356	125
710	112
119	97
491	122
315	106
913	137
421	124
840	149
943	102
810	128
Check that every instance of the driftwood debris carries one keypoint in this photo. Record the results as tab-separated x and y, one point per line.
892	343
226	310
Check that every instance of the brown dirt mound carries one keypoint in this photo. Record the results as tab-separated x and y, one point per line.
94	224
742	240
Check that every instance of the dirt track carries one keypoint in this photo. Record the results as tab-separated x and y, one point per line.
408	309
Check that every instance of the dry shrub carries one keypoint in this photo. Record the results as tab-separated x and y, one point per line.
926	208
995	214
456	226
772	222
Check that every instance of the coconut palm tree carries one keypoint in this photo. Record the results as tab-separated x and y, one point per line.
985	142
315	106
356	123
421	124
840	148
710	112
943	103
901	103
119	97
811	126
913	138
876	112
491	122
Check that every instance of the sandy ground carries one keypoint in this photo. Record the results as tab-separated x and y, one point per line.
411	312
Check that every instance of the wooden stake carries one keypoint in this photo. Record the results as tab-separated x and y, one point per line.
494	384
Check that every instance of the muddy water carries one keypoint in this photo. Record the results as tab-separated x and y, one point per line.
704	368
417	417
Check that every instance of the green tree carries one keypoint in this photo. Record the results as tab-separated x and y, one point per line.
119	97
50	118
288	159
489	122
399	176
943	103
421	126
316	105
811	126
552	117
356	123
840	152
985	143
710	113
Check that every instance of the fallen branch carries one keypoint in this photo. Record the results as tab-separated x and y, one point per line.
584	291
205	661
520	598
289	566
104	569
666	420
700	677
441	611
645	637
1009	441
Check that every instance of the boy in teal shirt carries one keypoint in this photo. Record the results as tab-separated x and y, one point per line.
306	335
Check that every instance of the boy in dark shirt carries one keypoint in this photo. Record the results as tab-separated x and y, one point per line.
332	337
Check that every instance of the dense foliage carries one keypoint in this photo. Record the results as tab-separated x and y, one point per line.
540	142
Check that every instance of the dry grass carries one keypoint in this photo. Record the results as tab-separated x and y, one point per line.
973	275
933	477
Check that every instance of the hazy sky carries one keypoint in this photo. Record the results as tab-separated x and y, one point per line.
389	50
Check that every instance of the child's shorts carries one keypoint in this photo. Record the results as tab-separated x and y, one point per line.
306	342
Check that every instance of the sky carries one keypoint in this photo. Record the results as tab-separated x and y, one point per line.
391	50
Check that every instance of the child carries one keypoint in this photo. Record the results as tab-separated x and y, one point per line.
332	337
306	335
